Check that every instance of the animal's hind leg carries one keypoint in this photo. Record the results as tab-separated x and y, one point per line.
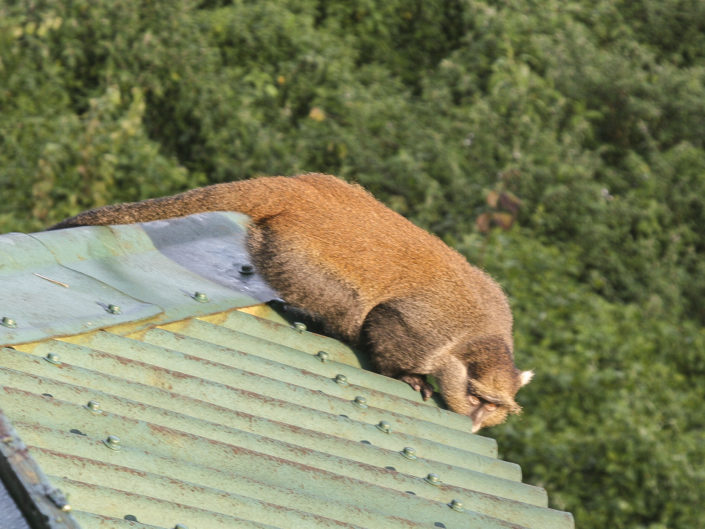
396	349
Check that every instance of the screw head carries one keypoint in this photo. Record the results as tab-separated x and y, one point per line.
384	426
301	327
93	406
114	309
360	402
8	322
323	356
409	452
433	479
200	297
59	500
341	379
53	358
112	442
247	269
456	505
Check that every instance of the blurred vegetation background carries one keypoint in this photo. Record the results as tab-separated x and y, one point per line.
558	144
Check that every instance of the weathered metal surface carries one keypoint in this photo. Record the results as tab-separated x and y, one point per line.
262	338
334	435
24	405
43	298
217	383
212	245
170	273
71	281
246	370
228	419
301	341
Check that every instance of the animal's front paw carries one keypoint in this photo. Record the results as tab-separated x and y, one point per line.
418	383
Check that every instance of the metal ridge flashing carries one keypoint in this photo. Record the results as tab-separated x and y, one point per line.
72	281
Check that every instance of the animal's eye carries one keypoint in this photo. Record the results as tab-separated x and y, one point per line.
473	399
490	406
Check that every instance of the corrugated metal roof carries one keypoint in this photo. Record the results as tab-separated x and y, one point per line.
181	409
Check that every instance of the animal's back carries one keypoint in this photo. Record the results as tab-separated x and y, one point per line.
370	254
360	239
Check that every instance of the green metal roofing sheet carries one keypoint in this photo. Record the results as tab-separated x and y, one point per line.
180	410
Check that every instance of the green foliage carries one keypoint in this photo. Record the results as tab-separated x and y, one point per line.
618	386
588	115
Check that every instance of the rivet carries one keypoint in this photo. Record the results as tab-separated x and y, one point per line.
360	402
456	505
8	322
112	442
301	327
200	297
323	356
93	406
113	309
53	358
384	426
409	452
433	479
341	379
247	269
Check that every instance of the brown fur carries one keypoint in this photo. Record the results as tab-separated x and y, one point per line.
375	279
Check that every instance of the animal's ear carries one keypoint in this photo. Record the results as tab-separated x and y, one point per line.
525	377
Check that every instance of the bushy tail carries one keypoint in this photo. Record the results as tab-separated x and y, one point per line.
258	198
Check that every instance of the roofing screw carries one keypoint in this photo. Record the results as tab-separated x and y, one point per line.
384	426
247	269
301	327
409	453
360	402
93	406
8	322
342	380
456	505
433	479
58	499
322	356
53	358
112	442
113	309
200	297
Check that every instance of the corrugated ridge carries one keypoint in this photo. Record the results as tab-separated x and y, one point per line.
138	367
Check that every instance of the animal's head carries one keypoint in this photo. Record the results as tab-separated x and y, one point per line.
491	393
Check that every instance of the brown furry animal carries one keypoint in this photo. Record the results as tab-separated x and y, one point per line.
374	278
